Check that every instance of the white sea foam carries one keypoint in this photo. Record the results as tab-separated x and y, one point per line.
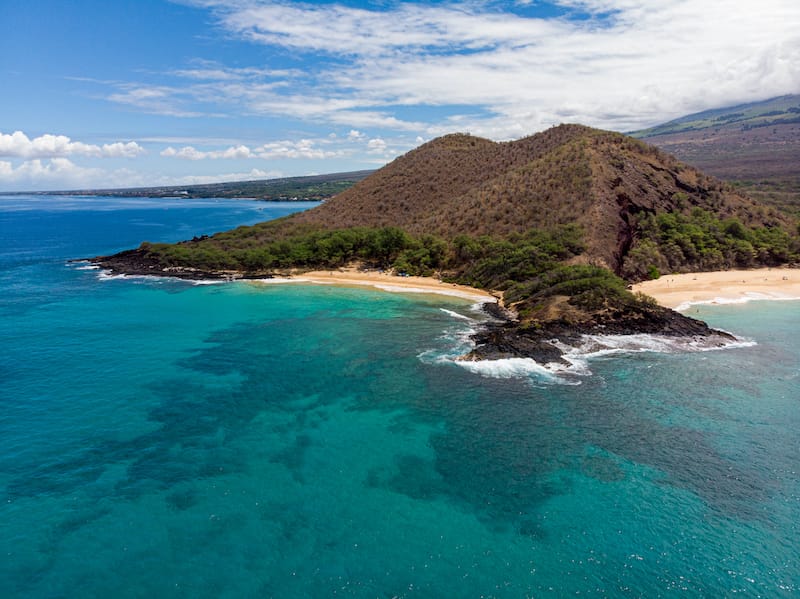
577	358
209	281
749	296
83	265
457	315
508	368
594	347
107	275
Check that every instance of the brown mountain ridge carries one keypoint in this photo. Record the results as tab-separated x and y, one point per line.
602	181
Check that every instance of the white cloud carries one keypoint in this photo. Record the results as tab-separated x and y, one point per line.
304	148
376	146
19	145
61	173
213	71
338	29
38	173
632	64
190	153
167	101
222	178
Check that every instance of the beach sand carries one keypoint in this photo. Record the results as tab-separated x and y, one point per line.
672	291
680	291
384	281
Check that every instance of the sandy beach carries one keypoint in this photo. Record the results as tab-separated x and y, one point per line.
680	291
673	291
388	282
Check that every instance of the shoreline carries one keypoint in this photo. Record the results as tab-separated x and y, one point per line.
681	291
127	263
351	277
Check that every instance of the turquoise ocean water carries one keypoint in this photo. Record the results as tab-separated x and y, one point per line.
160	438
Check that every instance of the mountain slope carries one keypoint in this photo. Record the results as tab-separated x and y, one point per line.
602	181
747	142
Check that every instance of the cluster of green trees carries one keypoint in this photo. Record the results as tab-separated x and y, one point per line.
676	242
483	261
527	266
499	263
588	286
241	250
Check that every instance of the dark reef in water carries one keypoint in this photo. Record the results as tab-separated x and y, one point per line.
505	337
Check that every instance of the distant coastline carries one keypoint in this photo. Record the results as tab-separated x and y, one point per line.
729	286
286	189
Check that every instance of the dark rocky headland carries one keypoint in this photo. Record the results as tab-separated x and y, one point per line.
505	337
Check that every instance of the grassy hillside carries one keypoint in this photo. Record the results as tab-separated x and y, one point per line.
603	182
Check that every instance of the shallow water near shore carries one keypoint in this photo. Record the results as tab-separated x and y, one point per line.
166	439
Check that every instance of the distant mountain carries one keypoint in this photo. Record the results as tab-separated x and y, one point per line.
602	181
766	113
314	187
756	145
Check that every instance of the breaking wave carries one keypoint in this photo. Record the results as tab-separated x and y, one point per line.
750	296
575	360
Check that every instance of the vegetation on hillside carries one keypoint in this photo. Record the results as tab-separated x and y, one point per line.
677	242
487	262
778	192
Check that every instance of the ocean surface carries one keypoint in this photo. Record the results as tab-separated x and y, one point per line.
161	438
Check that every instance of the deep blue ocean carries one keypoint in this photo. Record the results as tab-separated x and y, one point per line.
160	438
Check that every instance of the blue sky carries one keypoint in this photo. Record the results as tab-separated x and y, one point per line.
101	93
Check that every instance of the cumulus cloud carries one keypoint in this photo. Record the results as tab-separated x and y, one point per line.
250	175
19	145
304	148
37	173
376	146
630	63
62	173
